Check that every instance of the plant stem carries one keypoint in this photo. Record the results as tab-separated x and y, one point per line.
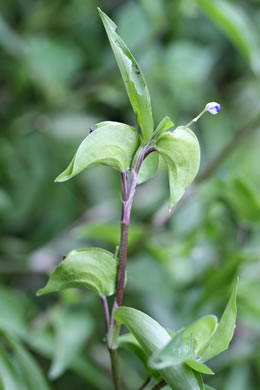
106	312
115	368
128	184
128	190
147	381
159	385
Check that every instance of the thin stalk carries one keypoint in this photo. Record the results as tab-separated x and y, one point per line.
106	312
147	381
197	118
115	368
159	385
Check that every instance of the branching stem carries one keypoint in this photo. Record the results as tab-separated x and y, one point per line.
128	184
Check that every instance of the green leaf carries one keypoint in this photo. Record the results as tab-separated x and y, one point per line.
242	197
175	352
179	350
112	143
149	167
109	232
235	24
181	152
220	340
165	124
8	374
43	343
198	366
152	336
201	331
135	84
128	341
52	65
92	268
31	371
73	328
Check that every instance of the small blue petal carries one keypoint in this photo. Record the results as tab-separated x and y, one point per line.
213	108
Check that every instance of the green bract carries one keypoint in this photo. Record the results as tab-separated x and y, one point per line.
221	338
135	84
111	143
181	152
201	331
94	269
179	359
152	337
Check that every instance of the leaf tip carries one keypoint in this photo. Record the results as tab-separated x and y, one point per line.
40	292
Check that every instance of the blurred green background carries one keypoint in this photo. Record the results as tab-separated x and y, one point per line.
58	77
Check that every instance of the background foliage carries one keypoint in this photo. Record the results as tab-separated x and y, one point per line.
58	77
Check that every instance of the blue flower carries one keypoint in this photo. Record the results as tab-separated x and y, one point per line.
213	108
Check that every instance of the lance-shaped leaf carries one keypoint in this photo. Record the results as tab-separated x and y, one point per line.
152	336
165	124
111	143
181	152
135	84
93	269
220	340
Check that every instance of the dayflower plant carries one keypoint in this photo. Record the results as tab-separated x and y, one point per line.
177	358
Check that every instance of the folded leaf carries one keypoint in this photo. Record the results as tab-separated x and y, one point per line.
175	352
149	167
201	331
178	350
135	84
111	143
152	336
94	269
181	152
220	340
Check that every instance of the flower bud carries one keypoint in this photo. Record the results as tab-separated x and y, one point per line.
213	108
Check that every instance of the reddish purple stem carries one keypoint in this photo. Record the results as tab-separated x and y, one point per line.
106	311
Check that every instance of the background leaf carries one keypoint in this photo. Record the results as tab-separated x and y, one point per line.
31	372
73	329
235	24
